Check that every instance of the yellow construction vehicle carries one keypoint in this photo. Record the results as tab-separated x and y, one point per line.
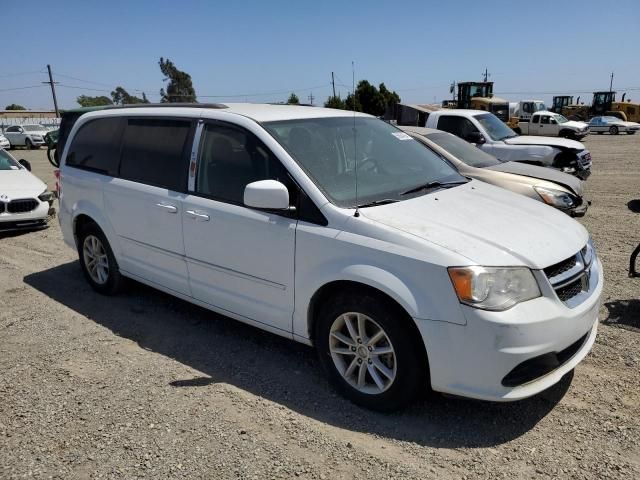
603	103
479	96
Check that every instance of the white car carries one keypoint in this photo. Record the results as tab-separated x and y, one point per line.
338	230
4	142
29	136
613	125
25	201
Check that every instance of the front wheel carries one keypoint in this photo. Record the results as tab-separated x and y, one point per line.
28	145
613	130
631	132
369	351
97	261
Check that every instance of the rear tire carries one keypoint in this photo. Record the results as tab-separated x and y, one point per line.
613	130
349	330
97	261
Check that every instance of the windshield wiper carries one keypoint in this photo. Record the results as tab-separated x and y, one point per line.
375	203
434	184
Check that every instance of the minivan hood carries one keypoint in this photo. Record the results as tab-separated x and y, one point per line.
20	184
570	182
550	141
487	225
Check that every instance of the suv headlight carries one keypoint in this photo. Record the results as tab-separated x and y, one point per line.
555	198
493	288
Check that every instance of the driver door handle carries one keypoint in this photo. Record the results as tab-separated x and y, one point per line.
197	215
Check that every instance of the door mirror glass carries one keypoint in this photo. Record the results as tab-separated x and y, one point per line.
25	164
475	137
266	195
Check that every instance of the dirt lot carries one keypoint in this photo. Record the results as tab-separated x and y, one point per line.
144	385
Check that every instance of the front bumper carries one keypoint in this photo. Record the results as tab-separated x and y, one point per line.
35	219
580	210
5	144
477	360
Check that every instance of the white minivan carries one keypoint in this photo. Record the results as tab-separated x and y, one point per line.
337	230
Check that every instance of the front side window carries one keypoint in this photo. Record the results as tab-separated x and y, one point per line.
462	150
496	129
96	146
154	152
230	159
388	162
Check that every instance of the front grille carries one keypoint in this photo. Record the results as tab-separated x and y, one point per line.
561	267
571	278
570	291
23	205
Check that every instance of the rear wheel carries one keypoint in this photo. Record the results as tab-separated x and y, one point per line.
97	260
368	351
613	130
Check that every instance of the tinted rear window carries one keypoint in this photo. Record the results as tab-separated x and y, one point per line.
153	152
96	146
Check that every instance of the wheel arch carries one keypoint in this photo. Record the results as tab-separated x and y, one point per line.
84	213
326	291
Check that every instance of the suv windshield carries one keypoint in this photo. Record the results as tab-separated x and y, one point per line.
463	150
34	128
494	127
7	162
389	162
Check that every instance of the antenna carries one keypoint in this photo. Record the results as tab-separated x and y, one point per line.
355	143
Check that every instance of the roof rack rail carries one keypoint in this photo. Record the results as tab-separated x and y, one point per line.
176	104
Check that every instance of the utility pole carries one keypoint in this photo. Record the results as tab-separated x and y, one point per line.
333	82
611	83
311	97
53	90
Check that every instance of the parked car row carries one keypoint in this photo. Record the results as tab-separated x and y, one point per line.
612	125
28	136
380	247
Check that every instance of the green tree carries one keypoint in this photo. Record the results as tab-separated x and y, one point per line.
86	101
293	99
14	106
370	99
335	102
121	97
352	103
390	98
180	87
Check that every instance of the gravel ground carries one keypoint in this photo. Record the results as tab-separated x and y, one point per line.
145	385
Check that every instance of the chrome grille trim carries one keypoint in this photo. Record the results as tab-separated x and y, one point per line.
573	280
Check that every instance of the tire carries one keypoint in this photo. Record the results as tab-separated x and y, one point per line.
405	364
93	243
568	134
613	130
28	145
631	132
599	133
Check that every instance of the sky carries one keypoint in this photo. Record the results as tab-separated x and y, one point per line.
260	51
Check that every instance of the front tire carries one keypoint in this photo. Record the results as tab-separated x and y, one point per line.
97	261
613	130
369	351
28	145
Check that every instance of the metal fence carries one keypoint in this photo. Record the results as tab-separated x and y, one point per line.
48	122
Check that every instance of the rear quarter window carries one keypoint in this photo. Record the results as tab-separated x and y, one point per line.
154	152
96	146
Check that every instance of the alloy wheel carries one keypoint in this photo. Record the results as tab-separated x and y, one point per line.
95	259
362	353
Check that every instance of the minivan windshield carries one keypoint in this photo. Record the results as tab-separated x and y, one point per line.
389	162
496	129
462	150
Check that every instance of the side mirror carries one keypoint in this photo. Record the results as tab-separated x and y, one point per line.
475	137
266	195
25	164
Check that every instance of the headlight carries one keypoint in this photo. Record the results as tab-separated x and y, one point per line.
46	196
555	198
493	288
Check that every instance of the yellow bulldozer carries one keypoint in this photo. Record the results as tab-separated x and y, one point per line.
603	103
479	96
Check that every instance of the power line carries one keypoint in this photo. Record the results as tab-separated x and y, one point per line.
20	88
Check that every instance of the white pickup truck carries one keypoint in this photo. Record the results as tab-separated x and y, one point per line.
491	135
552	125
